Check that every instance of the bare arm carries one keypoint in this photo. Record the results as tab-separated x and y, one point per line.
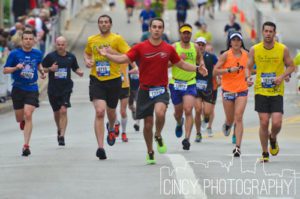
88	60
8	70
192	68
79	72
290	67
119	59
218	67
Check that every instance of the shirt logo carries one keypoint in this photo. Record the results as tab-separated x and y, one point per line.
161	54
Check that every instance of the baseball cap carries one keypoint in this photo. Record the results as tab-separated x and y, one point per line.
236	34
201	39
185	28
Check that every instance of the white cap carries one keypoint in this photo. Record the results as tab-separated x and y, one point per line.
201	39
236	34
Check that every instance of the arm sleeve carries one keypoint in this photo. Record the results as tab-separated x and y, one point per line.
123	47
88	49
47	62
133	53
75	64
10	62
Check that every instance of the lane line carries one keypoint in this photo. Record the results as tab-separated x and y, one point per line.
183	172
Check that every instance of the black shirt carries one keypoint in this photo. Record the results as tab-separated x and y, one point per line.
235	27
210	61
60	81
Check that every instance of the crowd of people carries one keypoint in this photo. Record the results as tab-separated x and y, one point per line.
196	75
29	15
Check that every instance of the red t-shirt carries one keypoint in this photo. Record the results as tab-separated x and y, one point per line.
153	62
129	2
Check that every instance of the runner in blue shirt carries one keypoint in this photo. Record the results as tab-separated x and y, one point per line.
24	64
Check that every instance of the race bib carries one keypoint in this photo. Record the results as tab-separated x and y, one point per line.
156	91
103	68
27	73
201	85
134	76
122	77
61	73
180	85
267	80
229	95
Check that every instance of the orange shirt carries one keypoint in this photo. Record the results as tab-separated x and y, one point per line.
235	81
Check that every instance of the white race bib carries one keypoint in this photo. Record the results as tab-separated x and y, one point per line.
103	68
156	91
201	85
61	73
180	85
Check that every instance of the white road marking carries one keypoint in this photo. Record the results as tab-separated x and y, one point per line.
183	172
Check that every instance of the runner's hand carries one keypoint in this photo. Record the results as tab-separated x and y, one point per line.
134	71
102	51
278	80
20	66
54	67
249	81
79	73
234	69
89	63
202	70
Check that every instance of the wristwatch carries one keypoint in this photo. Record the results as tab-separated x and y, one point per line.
229	70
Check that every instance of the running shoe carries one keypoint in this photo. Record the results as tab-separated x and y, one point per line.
61	141
150	158
210	133
186	144
161	147
111	138
226	130
265	157
117	128
26	150
179	130
233	140
203	125
124	137
274	148
101	154
22	125
198	137
136	127
236	152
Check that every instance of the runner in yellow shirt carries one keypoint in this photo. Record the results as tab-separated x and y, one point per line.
270	58
105	79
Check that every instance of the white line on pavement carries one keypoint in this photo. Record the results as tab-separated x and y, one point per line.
183	172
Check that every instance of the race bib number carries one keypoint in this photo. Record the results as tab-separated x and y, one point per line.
27	73
134	76
61	73
103	68
267	80
229	95
157	91
201	85
180	85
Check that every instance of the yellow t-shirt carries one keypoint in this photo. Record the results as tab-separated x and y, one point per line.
297	60
104	69
269	64
124	75
206	35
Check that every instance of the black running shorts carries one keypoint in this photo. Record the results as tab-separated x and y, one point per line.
268	104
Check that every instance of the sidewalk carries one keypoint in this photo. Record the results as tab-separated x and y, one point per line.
74	31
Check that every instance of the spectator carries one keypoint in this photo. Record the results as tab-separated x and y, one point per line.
20	8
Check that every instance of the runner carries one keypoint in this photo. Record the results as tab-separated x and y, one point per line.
183	85
232	67
297	64
270	58
232	25
201	10
59	64
153	56
207	91
181	7
105	79
23	63
134	86
145	16
129	4
124	95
